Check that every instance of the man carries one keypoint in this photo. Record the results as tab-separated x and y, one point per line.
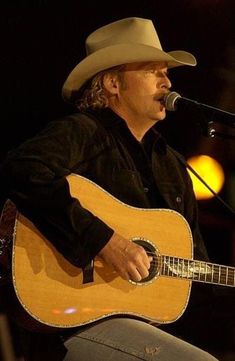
119	89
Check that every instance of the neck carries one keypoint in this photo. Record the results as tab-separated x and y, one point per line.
138	127
138	133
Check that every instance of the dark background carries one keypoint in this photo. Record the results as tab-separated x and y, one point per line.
41	41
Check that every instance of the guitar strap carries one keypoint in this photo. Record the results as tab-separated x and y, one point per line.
7	226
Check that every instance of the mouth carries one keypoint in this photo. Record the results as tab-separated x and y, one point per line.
161	103
161	99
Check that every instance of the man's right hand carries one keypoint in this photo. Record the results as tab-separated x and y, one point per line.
128	259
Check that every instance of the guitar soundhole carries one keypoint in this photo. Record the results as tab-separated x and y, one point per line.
151	251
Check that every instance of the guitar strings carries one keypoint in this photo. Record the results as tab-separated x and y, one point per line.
216	269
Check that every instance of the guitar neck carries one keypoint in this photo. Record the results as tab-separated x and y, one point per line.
198	271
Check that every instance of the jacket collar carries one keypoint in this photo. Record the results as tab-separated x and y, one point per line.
110	119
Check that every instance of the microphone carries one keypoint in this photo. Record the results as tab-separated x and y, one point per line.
172	100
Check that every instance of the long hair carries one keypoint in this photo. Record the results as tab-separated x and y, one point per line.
93	94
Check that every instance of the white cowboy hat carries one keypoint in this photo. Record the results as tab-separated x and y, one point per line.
125	41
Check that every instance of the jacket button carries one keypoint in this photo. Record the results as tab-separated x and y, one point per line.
146	189
178	199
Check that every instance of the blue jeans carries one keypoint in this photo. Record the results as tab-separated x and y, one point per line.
125	339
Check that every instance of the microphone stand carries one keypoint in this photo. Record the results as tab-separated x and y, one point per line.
212	132
210	112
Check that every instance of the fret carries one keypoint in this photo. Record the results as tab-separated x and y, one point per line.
200	271
209	275
226	275
195	271
173	267
183	267
166	270
188	274
216	274
224	271
204	274
178	268
168	266
223	275
204	270
171	264
164	265
219	274
231	277
192	268
213	273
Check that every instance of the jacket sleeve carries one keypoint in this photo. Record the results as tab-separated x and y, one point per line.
33	176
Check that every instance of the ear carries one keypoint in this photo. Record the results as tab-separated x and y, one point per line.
111	83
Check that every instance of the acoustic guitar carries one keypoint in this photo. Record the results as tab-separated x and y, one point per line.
58	294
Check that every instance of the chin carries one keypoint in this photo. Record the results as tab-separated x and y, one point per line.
161	115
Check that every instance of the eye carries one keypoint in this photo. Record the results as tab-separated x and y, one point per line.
150	71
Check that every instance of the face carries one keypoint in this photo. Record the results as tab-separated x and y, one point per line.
140	90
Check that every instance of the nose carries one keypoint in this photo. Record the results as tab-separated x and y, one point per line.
166	83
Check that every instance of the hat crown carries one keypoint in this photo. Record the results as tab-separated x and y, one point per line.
130	30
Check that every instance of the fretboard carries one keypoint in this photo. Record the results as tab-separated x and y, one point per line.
197	271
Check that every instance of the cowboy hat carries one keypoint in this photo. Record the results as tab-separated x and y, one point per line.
124	41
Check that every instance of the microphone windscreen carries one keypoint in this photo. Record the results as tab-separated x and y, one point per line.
170	100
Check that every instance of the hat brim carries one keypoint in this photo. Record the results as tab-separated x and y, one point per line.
116	55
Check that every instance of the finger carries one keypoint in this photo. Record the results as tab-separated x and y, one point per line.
143	271
134	275
147	261
144	258
137	273
150	260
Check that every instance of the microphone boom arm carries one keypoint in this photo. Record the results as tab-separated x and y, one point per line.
172	99
227	118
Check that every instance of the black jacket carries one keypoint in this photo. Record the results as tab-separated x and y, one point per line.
95	145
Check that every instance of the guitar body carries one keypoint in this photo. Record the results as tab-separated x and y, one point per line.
53	291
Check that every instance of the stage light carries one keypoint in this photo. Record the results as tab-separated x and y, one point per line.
210	171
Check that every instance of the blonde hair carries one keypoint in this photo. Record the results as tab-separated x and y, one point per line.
93	95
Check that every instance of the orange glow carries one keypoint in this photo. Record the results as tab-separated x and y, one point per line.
56	311
210	171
